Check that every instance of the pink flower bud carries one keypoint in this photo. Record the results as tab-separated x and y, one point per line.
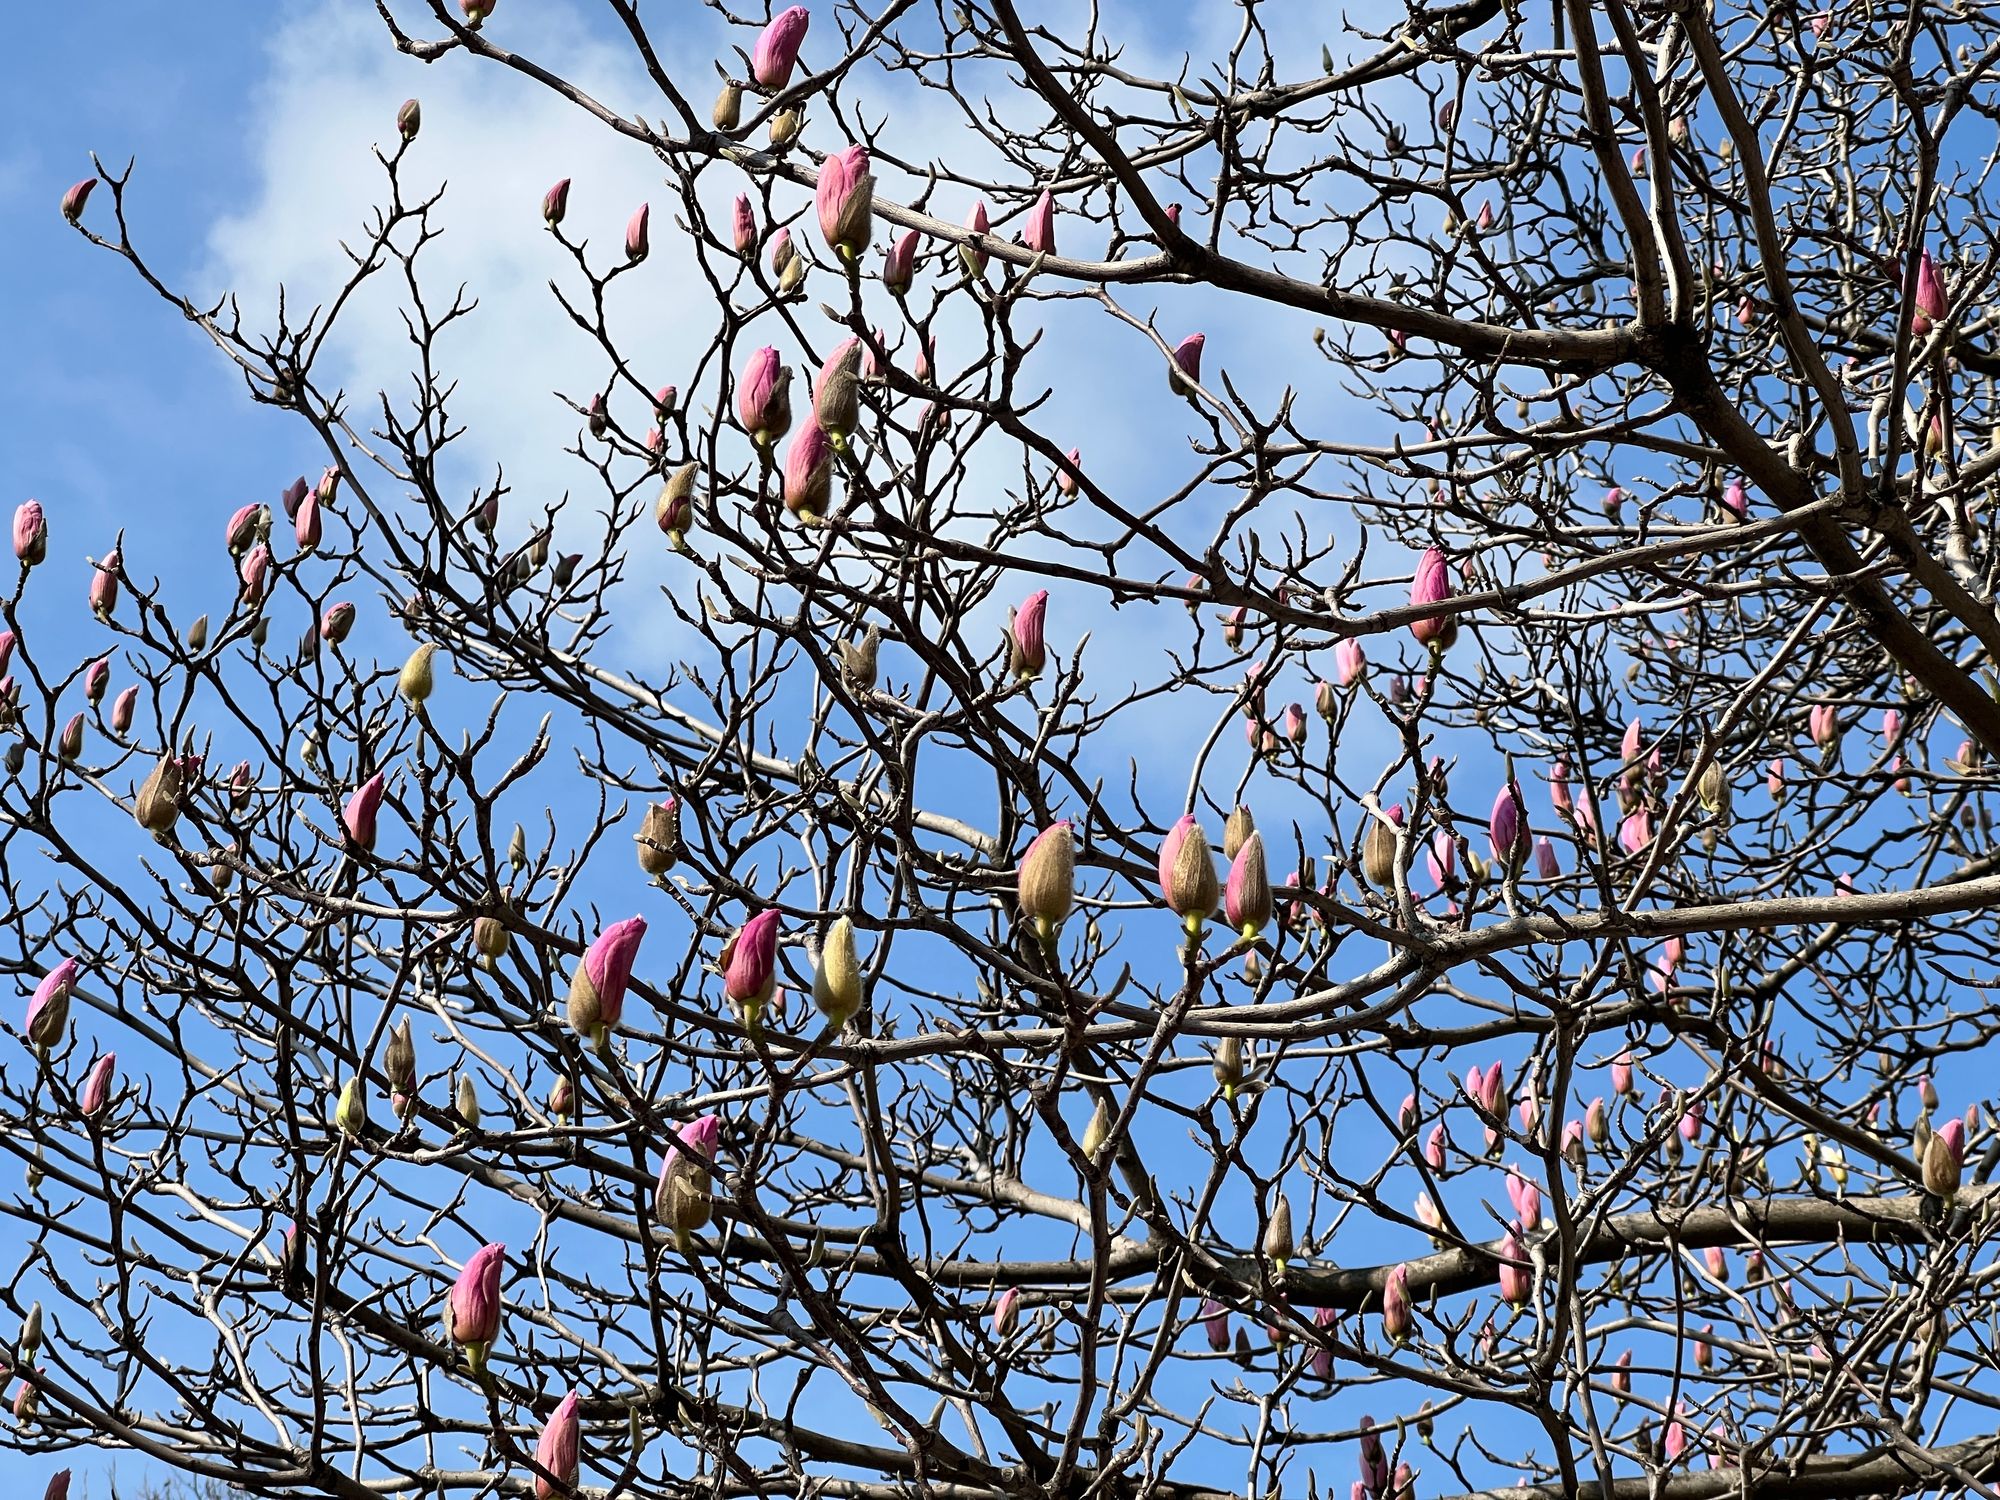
1736	500
1396	1316
1614	501
31	533
1348	661
1432	585
476	11
555	203
763	398
1932	305
1184	374
809	473
409	119
1374	1460
1515	1277
557	1451
1295	724
845	198
683	1198
48	1007
1246	897
97	1087
1691	1120
1635	831
744	226
1775	781
69	744
1187	872
97	679
472	1310
638	239
294	494
1039	234
1434	1147
359	815
597	988
1066	473
1716	1259
1507	827
256	565
1546	864
1006	1313
777	49
1823	721
123	709
74	200
750	968
104	585
1572	1143
979	224
247	524
336	622
1215	1323
899	265
1027	649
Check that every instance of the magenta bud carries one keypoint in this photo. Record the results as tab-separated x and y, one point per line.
558	1450
97	1087
256	565
1349	662
48	1007
336	622
409	119
1184	374
808	484
899	264
555	203
763	399
750	963
1397	1319
1432	585
1039	234
845	198
978	223
743	226
97	679
31	533
597	989
1932	303
1215	1323
472	1309
777	49
74	200
306	525
104	585
293	496
246	526
122	710
1006	1313
359	814
637	239
1027	649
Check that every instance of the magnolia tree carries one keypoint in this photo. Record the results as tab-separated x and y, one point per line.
1474	986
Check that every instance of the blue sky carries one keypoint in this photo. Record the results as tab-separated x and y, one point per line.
251	123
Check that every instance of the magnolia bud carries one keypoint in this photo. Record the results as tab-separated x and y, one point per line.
659	837
1046	879
158	805
489	940
728	111
465	1100
1098	1131
837	979
350	1114
409	119
417	677
1228	1065
1278	1244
